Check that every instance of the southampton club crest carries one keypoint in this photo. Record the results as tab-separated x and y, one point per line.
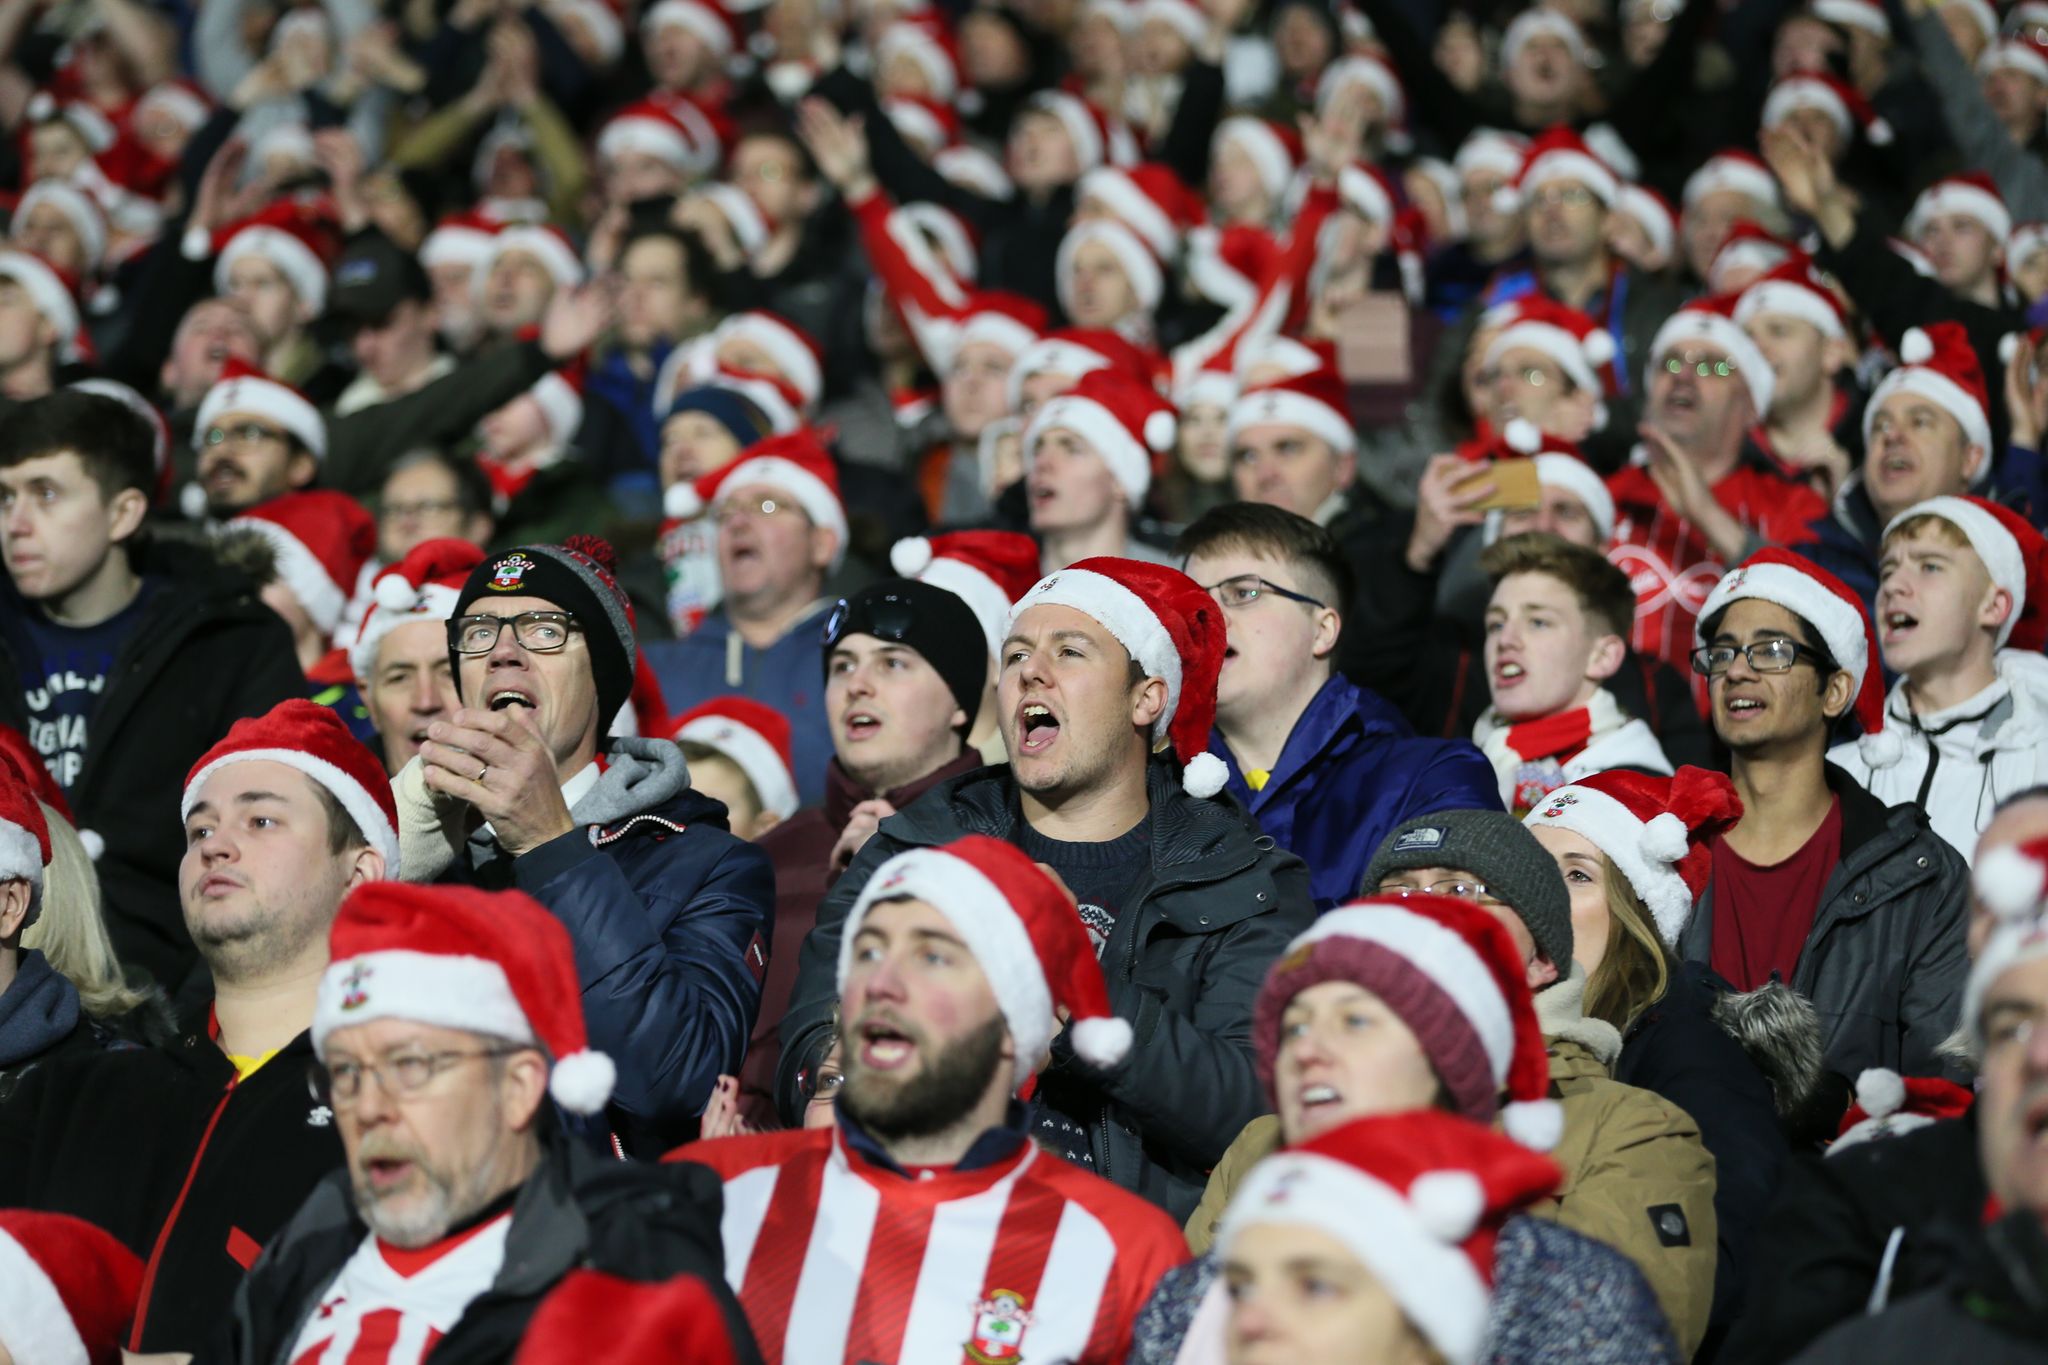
999	1323
354	996
511	573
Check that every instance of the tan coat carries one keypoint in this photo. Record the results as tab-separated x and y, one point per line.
1631	1160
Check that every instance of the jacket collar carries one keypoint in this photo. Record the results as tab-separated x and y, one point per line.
843	793
1338	708
993	1148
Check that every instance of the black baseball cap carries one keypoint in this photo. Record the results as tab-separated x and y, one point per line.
372	278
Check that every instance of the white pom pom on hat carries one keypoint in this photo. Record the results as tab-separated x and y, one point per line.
1916	347
1522	434
1448	1204
1664	838
2009	882
1160	429
1881	750
1536	1124
1599	346
582	1081
682	502
1103	1041
1880	1092
192	502
394	593
1203	776
911	556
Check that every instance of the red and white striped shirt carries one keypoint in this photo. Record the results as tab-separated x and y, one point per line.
1027	1261
390	1307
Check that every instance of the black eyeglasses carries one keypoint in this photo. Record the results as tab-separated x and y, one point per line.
1765	656
886	616
1246	589
340	1085
539	632
243	433
1699	365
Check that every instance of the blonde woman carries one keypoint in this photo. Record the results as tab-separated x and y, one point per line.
71	934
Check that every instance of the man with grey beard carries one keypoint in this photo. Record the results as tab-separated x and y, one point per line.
196	1153
449	1031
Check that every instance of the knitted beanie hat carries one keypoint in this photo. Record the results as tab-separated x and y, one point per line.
1494	847
580	576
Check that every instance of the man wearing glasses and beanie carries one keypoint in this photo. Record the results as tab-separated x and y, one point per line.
1637	1176
1324	766
905	668
1861	907
668	911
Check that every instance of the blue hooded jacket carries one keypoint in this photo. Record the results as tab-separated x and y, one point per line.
1352	770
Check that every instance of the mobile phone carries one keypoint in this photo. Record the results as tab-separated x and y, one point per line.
1515	484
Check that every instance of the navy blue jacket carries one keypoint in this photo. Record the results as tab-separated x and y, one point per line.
668	914
1351	771
1846	543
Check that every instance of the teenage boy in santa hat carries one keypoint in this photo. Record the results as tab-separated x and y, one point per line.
1960	619
1088	464
738	751
122	657
962	971
195	1153
1104	662
448	1030
1926	434
781	532
1859	906
666	908
1325	767
400	651
319	541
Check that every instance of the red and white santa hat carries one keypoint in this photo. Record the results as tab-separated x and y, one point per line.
51	293
1151	200
87	219
2011	882
988	570
797	358
1653	213
460	239
1172	628
2014	554
1140	266
1540	21
1098	139
971	168
310	738
2028	15
550	246
928	125
1868	15
925	42
179	100
1419	1198
321	539
1561	154
1185	17
1824	602
1655	830
1841	103
1888	1105
754	737
751	228
1126	423
1367	191
1490	149
1560	464
1742	172
709	21
1011	322
664	130
1970	194
1225	265
924	228
24	837
2021	52
797	463
644	1322
1748	246
1940	366
1711	322
424	586
1021	927
1792	290
1273	148
1314	402
1364	69
68	1290
85	119
297	239
1451	972
1578	344
2026	239
497	963
244	388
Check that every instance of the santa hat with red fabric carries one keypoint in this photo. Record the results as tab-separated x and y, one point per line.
708	20
797	463
1126	423
1711	322
2021	52
988	570
756	740
1651	212
1824	602
1077	351
1141	267
1561	154
24	833
549	246
1572	340
1748	246
1314	402
1098	139
1655	830
1735	170
926	43
321	540
1367	71
1867	15
1941	366
1970	194
1021	927
67	1290
1274	148
1419	1198
644	1323
460	239
673	132
1452	973
423	586
496	963
35	774
1225	265
309	737
2010	882
928	125
1560	464
1172	629
1369	192
751	227
87	219
1009	321
243	388
798	359
2014	553
1793	290
1151	200
1888	1105
53	294
1833	98
299	237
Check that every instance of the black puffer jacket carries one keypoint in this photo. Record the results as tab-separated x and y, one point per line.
578	1210
1184	964
1884	963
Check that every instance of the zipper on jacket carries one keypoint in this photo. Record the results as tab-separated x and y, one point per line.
163	1235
